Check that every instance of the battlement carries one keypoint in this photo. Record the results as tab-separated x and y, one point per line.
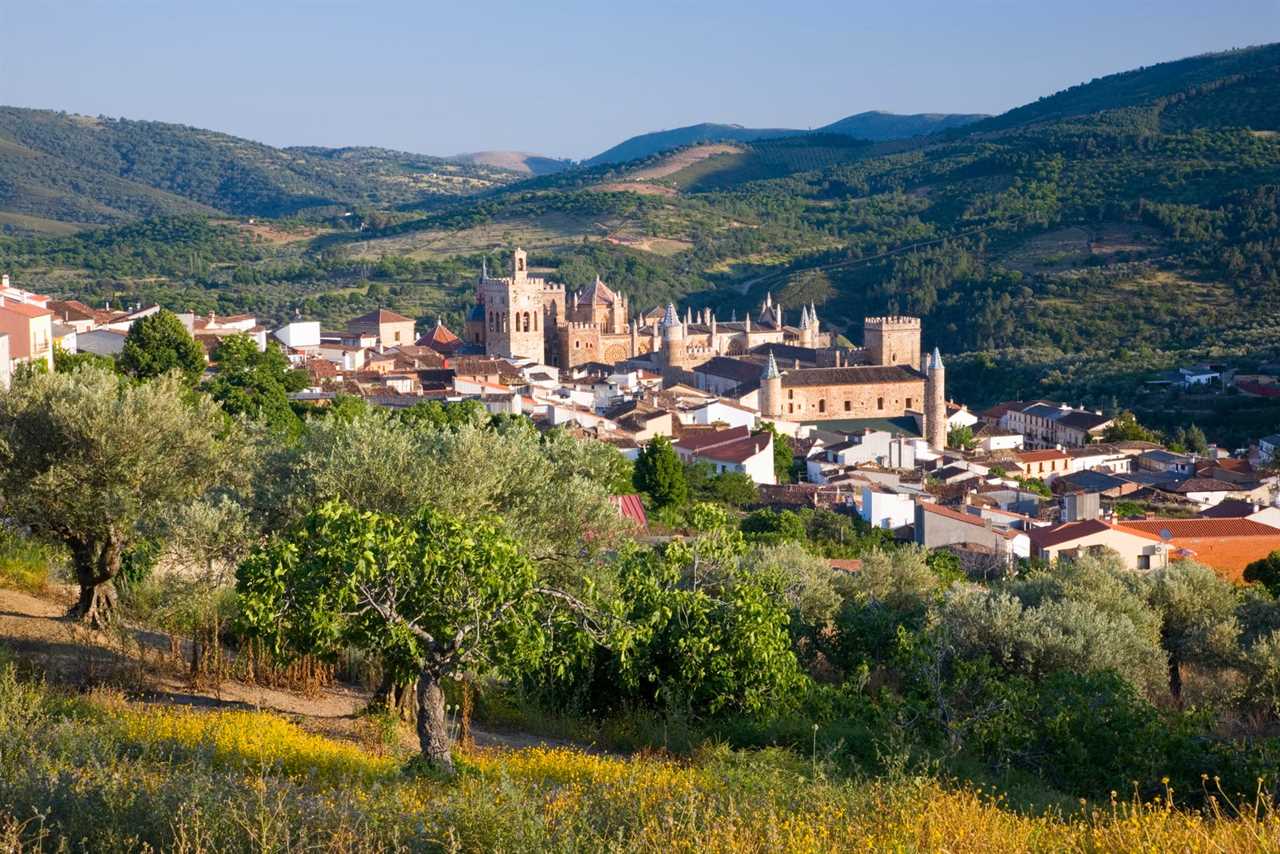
581	325
898	321
552	286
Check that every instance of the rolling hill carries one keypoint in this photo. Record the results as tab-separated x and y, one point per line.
514	161
873	125
80	169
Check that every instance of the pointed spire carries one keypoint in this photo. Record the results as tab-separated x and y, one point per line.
771	369
813	315
733	315
484	267
670	318
777	316
804	317
935	361
768	299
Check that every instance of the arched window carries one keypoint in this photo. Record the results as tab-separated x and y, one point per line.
535	321
879	403
526	321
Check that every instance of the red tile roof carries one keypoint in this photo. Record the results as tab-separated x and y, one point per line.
25	310
738	451
1185	528
1044	538
695	441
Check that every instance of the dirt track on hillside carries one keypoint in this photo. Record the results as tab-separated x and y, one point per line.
149	667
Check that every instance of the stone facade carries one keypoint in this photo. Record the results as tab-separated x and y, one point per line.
523	316
892	340
859	391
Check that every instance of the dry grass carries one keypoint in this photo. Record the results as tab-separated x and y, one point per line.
203	781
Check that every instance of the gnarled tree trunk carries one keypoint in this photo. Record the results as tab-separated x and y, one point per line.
433	729
96	565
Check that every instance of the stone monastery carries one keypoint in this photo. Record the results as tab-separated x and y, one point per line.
786	372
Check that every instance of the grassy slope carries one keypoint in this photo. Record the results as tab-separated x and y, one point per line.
123	775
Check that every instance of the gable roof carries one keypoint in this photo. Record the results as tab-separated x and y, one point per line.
852	375
1045	538
380	315
695	441
1230	508
1188	528
730	369
1203	484
737	451
1082	420
967	518
24	309
598	292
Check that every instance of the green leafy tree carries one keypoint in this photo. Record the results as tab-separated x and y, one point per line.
89	459
707	636
159	343
783	453
659	474
734	488
66	363
256	383
431	595
1125	427
1197	609
1265	571
433	413
961	437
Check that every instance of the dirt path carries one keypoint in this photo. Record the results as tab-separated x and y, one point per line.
142	663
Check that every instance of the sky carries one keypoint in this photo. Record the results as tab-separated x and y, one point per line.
571	79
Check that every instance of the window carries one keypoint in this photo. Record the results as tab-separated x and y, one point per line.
822	405
879	403
791	394
848	406
791	407
908	403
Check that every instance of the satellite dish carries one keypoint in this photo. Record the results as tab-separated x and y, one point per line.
1166	534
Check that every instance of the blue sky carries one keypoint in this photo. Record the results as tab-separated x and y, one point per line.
568	78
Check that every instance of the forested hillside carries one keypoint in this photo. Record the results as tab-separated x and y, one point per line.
80	169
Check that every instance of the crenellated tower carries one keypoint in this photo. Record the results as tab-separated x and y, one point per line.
513	312
892	340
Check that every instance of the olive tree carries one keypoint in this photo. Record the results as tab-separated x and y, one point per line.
89	459
431	594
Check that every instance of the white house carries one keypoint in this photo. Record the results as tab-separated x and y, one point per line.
724	412
736	449
301	335
886	509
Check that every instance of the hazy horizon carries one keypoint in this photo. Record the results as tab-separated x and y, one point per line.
577	80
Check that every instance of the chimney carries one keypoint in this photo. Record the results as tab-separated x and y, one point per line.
4	281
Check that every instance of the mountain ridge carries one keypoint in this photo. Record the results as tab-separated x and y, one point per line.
873	125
